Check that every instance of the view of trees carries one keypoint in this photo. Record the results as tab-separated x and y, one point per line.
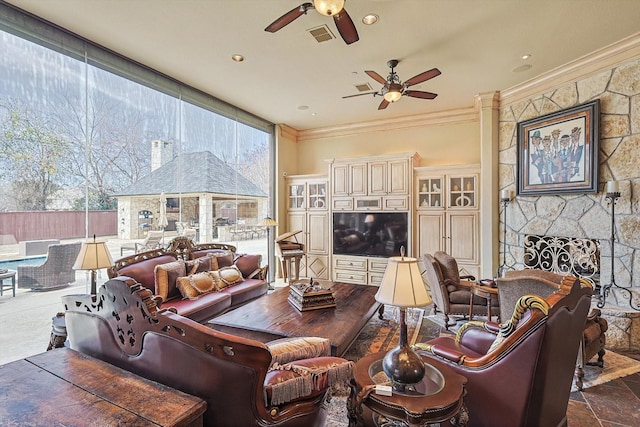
68	129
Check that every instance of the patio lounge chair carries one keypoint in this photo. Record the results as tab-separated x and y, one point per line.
152	241
56	272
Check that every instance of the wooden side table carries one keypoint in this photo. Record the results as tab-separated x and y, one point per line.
64	387
437	399
486	292
9	274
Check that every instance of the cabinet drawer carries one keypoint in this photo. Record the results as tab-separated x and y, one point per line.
350	263
351	276
378	265
375	278
342	203
396	203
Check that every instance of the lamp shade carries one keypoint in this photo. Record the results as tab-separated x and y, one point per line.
93	256
267	222
402	284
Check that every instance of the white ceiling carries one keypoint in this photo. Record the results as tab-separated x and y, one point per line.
476	44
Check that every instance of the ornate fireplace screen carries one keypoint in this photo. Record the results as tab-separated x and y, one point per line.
564	255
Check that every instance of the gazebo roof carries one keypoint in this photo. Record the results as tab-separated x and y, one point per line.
201	172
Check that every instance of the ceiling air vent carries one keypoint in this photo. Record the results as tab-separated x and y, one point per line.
321	33
364	87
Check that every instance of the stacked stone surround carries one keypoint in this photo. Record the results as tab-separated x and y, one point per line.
587	215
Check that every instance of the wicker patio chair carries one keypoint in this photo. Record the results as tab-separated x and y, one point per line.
56	272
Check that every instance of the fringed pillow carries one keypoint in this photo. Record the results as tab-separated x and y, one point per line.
307	378
289	349
226	276
196	285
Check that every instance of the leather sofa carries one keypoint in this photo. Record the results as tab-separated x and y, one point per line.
244	382
145	268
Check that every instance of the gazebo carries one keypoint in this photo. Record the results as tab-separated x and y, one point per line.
201	192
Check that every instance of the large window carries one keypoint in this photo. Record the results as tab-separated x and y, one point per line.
92	143
84	129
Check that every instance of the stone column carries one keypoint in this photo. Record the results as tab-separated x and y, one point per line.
488	105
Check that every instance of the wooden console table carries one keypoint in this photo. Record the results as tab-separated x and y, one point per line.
64	387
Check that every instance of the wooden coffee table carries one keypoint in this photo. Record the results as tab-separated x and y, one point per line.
272	317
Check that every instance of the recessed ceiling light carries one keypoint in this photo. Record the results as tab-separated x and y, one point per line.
238	58
527	56
370	19
313	114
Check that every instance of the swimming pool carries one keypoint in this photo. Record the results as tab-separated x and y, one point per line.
14	263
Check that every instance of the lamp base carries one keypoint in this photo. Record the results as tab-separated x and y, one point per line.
404	367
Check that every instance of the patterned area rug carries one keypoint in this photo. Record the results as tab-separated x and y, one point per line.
615	366
379	335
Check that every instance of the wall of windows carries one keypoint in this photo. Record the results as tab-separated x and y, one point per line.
82	128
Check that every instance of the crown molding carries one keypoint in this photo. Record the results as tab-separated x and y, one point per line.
287	132
606	58
460	115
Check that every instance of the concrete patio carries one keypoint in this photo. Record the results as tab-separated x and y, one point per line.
25	320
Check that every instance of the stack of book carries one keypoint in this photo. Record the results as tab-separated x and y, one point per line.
309	296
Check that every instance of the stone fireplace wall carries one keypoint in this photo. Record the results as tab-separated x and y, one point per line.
586	215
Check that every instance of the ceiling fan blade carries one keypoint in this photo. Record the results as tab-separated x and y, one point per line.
384	104
422	77
346	28
360	94
420	94
377	77
289	17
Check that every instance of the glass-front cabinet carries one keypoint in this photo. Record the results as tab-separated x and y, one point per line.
462	191
430	192
296	196
317	195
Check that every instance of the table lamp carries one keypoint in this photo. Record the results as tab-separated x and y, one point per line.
402	286
93	256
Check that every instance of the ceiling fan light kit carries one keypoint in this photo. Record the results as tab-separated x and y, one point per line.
328	7
393	88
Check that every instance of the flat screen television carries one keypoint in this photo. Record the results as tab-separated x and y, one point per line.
370	233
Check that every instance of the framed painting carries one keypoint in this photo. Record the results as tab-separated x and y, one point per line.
558	152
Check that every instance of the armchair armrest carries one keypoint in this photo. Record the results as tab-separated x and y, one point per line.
451	354
477	336
287	350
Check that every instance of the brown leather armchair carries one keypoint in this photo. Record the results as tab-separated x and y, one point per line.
520	372
244	382
540	282
451	293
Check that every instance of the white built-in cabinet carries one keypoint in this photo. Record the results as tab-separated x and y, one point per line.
376	184
447	213
308	210
381	183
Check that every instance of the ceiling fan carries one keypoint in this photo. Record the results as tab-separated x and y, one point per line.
393	88
334	8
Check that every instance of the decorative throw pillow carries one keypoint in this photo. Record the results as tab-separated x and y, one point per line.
200	265
224	258
195	285
226	276
166	276
249	265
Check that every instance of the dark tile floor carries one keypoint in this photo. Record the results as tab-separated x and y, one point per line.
613	404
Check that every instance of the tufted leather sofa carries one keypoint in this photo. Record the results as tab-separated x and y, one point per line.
244	382
141	267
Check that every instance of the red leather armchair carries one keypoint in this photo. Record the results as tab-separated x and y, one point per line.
244	382
539	282
520	374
